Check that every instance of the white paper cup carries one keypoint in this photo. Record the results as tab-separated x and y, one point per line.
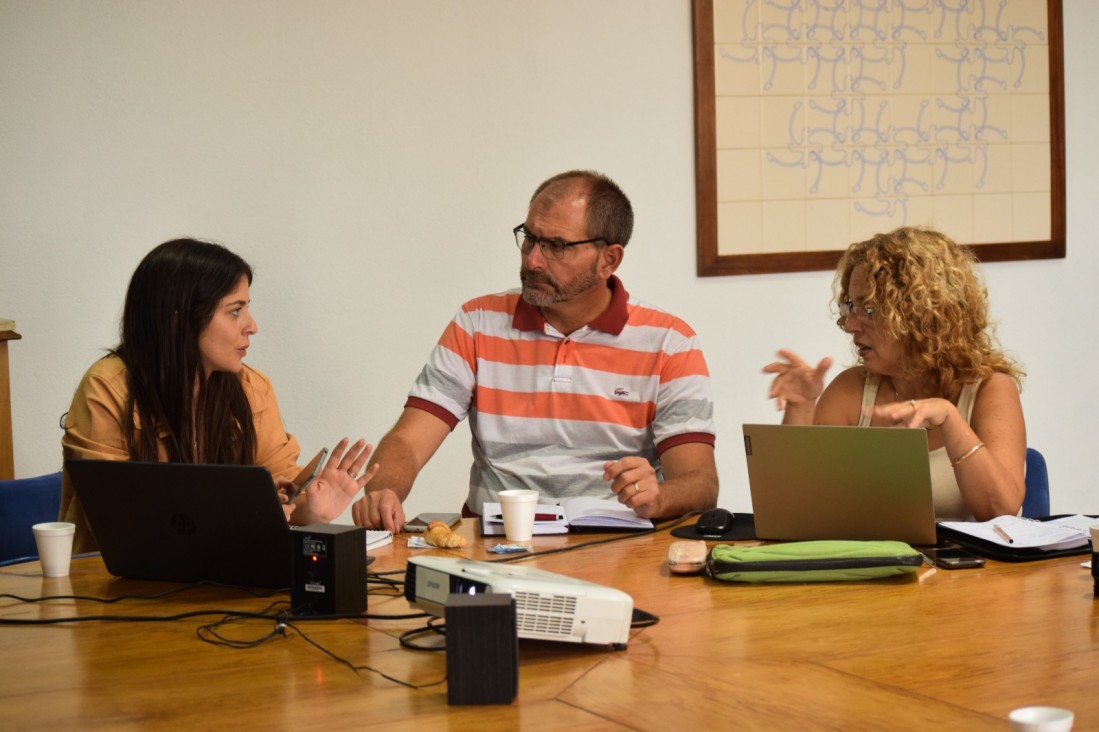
1041	719
55	547
1094	529
518	507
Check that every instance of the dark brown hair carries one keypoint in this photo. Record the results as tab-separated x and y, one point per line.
171	299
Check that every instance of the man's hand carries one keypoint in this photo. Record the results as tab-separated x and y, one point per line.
380	509
690	481
403	451
634	481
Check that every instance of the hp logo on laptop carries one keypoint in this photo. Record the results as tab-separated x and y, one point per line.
183	523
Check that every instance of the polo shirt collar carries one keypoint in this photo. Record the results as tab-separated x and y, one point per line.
612	320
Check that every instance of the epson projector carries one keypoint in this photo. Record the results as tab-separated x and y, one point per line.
548	606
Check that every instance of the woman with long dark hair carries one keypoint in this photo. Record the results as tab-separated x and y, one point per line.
176	387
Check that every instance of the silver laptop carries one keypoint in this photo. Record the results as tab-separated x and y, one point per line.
820	482
185	523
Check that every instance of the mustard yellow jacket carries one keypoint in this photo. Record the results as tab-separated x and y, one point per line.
93	430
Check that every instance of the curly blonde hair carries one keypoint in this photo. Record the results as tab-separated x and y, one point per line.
927	294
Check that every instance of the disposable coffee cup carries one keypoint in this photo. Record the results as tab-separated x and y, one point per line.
55	547
1041	719
518	507
1094	529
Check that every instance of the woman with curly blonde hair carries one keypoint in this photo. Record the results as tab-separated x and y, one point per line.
918	315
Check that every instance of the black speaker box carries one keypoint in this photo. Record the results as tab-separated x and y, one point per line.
482	649
328	570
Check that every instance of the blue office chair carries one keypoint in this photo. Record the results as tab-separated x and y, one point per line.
25	502
1036	500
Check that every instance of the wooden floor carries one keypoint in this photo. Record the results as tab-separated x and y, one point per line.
940	650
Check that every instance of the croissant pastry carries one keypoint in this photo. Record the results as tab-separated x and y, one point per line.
439	534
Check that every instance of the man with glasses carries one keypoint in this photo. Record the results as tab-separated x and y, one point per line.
571	386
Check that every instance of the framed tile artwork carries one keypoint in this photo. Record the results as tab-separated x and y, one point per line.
823	122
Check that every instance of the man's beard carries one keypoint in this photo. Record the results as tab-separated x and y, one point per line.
557	293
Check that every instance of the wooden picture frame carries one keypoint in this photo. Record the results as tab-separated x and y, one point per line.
713	260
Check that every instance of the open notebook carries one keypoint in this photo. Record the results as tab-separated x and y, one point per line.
821	482
1017	539
188	523
572	514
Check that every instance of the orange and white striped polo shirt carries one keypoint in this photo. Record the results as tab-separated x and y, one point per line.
548	410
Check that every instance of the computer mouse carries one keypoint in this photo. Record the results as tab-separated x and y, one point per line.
714	523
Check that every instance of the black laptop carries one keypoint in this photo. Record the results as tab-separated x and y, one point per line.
185	523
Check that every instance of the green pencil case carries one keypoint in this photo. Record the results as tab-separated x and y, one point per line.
812	561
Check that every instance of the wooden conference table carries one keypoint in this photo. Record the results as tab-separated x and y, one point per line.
939	650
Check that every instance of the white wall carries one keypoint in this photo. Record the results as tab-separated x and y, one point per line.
369	158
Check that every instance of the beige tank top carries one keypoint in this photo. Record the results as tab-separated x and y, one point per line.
949	505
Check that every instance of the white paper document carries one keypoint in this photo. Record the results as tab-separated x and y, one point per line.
1020	533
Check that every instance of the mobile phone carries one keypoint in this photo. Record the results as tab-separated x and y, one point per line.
308	473
954	558
421	522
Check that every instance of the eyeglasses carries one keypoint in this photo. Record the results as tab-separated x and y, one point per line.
849	309
551	248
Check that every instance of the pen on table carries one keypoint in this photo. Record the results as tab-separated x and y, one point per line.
537	517
1003	534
